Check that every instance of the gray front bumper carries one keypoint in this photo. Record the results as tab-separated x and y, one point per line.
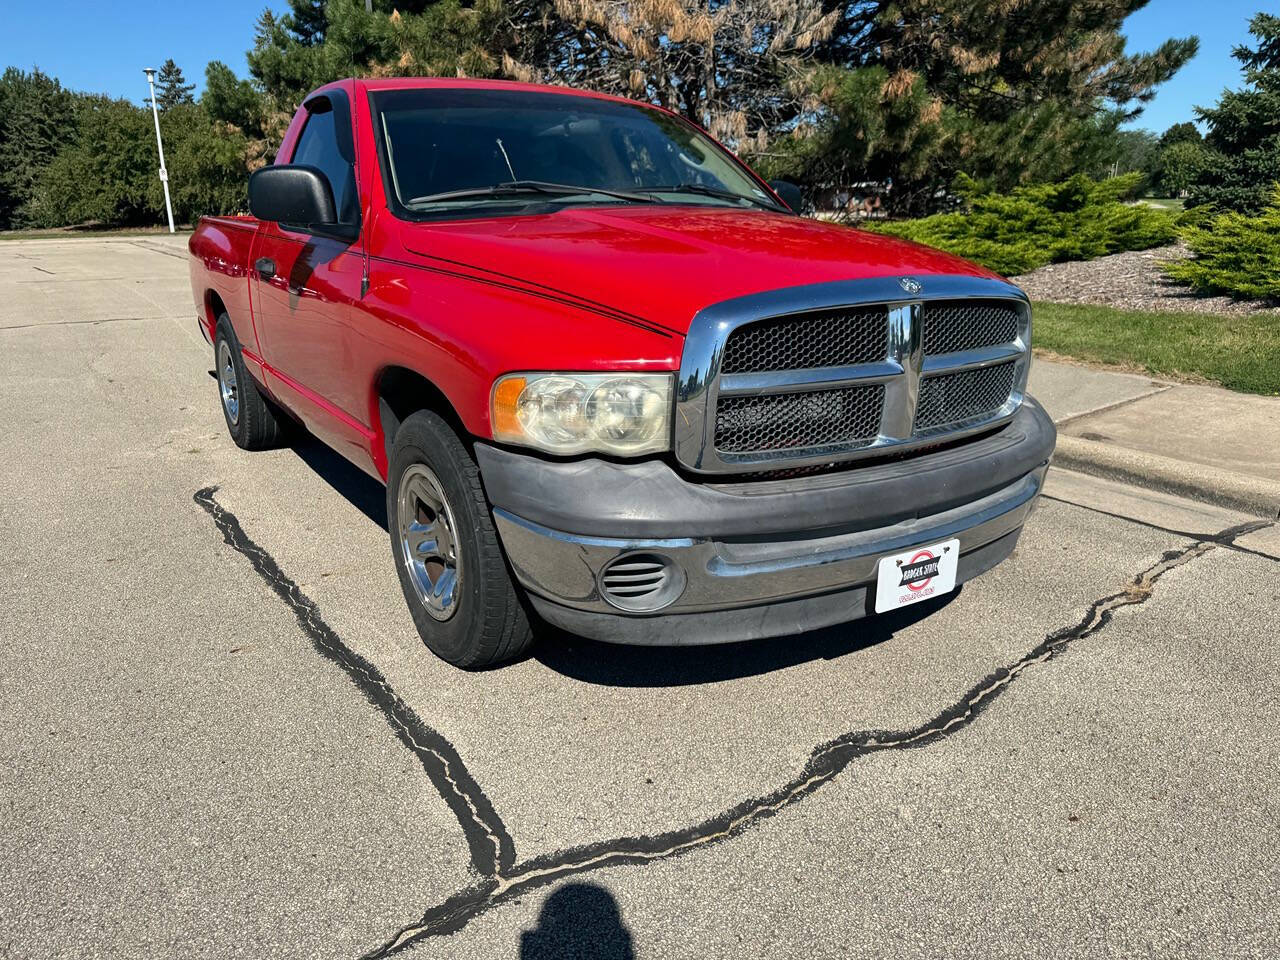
761	559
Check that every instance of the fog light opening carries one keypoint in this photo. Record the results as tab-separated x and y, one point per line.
641	582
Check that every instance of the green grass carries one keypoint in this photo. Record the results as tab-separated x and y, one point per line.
1172	204
88	233
1241	353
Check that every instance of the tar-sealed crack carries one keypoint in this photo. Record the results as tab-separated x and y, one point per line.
504	879
1227	538
492	850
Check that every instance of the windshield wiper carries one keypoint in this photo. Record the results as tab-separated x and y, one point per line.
706	191
516	187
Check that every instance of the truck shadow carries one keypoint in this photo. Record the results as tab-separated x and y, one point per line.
358	488
606	664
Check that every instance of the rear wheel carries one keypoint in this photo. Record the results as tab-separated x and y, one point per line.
254	424
466	606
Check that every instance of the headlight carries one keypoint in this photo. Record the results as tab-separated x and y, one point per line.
620	413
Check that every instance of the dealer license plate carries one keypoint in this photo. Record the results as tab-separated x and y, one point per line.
915	575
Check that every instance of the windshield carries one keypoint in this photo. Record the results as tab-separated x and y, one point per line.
450	150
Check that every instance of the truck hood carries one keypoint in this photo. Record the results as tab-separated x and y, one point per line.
664	264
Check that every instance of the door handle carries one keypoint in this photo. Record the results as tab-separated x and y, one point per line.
266	267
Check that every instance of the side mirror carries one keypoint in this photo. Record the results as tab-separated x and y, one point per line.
789	193
296	194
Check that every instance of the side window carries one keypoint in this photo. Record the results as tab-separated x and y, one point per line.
318	147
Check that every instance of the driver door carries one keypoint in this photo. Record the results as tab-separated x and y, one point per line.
308	286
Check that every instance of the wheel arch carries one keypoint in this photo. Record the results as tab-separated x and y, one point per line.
213	309
399	392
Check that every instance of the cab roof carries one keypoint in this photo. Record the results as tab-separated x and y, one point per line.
461	83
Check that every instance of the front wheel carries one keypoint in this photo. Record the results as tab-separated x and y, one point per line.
460	593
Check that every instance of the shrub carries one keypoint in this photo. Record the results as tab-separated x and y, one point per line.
104	174
1077	219
1234	254
108	174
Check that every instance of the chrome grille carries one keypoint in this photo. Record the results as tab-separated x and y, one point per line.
816	375
833	338
848	418
950	327
954	398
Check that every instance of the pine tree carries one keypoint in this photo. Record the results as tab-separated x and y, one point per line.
296	52
308	20
1243	160
1031	92
736	68
37	119
913	90
172	87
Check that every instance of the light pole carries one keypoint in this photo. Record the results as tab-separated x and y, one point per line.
164	174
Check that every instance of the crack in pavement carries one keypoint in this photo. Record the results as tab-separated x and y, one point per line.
152	248
155	248
491	846
1215	538
505	879
825	763
73	323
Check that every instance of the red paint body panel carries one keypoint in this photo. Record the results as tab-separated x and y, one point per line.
219	268
464	301
664	264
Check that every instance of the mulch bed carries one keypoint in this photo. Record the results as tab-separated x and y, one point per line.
1129	281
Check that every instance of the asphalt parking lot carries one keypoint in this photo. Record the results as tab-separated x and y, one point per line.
221	736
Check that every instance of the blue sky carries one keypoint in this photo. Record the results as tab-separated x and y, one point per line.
103	49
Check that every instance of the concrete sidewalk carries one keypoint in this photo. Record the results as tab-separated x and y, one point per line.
1206	443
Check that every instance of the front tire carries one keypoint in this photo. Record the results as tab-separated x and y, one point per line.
251	420
454	576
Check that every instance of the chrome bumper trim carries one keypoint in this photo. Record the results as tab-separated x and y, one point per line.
722	575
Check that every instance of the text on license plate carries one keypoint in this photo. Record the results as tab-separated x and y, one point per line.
916	574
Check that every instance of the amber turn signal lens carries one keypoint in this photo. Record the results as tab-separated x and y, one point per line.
505	395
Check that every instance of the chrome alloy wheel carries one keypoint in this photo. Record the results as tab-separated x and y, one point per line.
227	384
427	541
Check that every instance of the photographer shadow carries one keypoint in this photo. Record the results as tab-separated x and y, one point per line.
579	920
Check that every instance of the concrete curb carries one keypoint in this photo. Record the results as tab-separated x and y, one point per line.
1256	495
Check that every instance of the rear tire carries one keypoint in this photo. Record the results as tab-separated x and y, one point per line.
455	579
254	424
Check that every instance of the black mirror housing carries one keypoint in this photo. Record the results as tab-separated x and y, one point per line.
789	193
292	193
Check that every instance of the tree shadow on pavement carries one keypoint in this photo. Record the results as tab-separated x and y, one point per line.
579	920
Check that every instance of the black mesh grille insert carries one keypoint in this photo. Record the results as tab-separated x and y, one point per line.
833	338
951	326
847	417
954	397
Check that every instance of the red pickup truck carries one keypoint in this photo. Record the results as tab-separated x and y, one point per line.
609	378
